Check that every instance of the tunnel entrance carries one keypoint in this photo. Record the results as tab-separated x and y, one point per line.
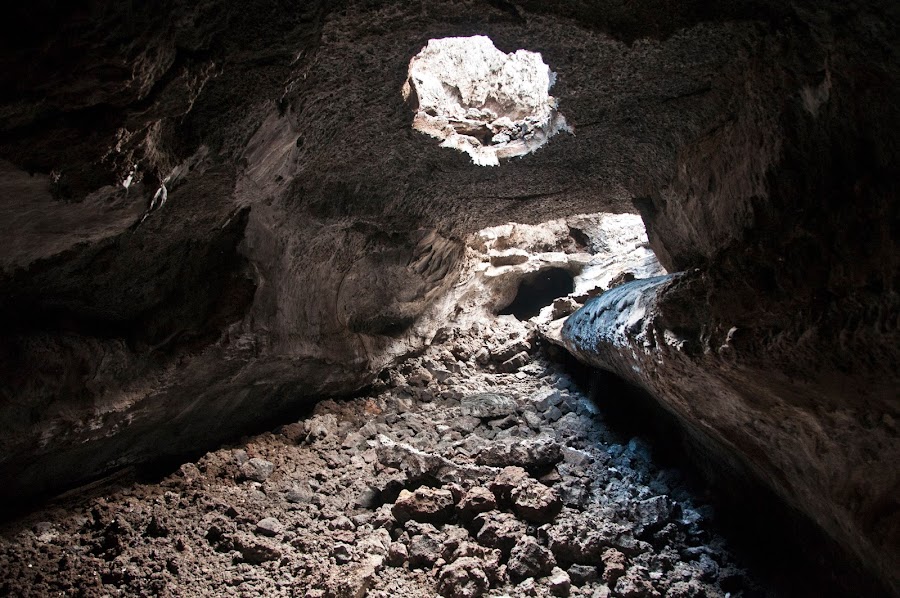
539	291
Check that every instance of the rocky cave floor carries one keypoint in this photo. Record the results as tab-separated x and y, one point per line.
476	468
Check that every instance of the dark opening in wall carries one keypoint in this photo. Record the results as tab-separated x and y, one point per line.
539	291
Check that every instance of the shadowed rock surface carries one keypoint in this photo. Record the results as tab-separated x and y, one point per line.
309	233
299	517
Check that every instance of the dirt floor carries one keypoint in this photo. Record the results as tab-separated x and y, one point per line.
477	468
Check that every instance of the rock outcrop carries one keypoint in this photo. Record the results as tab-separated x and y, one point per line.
746	394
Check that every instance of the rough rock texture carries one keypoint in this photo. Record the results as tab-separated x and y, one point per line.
833	460
307	230
208	530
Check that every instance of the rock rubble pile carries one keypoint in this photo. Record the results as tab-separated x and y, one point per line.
459	475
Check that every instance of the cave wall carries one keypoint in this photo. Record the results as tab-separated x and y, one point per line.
780	342
308	229
818	432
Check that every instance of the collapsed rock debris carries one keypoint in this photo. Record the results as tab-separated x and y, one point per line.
477	483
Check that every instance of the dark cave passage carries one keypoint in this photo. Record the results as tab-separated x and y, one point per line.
538	291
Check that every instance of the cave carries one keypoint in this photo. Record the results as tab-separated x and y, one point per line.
539	291
456	297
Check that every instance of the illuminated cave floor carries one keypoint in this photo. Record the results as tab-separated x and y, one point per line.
450	478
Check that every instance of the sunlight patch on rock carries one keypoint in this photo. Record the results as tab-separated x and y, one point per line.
482	101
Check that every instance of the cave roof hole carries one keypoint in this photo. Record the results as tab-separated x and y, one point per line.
482	101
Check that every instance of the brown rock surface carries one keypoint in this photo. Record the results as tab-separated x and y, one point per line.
433	505
206	529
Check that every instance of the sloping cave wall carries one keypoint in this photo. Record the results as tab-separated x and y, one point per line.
782	345
308	228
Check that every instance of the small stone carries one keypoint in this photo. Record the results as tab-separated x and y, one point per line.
529	559
382	517
583	574
477	500
319	427
361	519
574	493
542	451
514	363
627	543
569	404
483	356
545	400
432	505
564	306
466	424
341	522
440	374
342	553
535	502
576	457
509	478
378	543
257	470
464	578
269	527
397	554
559	582
533	420
553	414
653	512
419	377
488	405
297	496
353	441
621	279
614	565
426	546
499	530
511	349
